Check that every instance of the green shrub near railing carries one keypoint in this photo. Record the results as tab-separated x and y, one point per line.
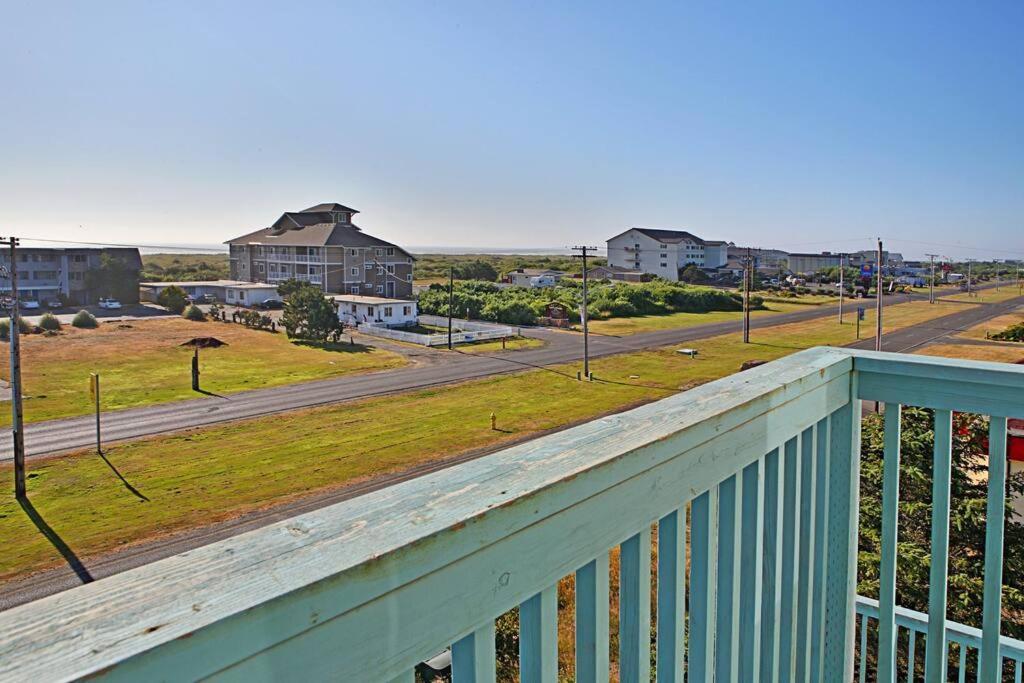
50	322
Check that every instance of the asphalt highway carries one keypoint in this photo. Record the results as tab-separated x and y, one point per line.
55	436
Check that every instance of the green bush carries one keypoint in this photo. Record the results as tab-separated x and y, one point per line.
522	306
84	319
174	299
193	312
5	328
49	322
1011	333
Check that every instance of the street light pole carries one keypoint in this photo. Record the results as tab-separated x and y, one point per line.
842	288
583	311
17	416
878	302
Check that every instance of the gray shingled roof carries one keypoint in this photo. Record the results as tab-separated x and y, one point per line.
669	236
320	208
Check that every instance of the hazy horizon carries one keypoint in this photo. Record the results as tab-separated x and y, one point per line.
513	127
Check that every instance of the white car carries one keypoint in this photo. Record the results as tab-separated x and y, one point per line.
29	304
110	303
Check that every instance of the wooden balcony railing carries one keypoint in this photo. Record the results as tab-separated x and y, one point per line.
762	467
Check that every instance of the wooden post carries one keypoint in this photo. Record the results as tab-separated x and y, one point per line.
195	368
94	389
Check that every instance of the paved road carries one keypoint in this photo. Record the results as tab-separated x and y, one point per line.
43	438
77	572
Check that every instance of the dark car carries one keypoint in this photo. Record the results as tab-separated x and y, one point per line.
54	303
270	304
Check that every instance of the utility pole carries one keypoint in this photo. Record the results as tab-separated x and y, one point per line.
17	418
931	283
583	311
746	297
878	302
970	261
842	289
451	302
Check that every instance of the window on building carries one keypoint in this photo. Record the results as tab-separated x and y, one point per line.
378	252
368	265
355	272
367	285
408	278
380	270
391	251
369	310
387	311
391	268
664	265
354	289
261	267
355	309
380	289
406	310
352	252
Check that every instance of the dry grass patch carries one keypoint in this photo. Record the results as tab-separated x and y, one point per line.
142	362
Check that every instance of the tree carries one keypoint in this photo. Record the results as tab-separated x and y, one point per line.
308	314
173	298
292	286
969	489
115	278
693	275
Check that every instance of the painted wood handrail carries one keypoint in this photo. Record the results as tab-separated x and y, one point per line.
764	464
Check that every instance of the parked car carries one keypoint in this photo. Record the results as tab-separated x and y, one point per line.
29	304
54	303
110	303
208	299
269	304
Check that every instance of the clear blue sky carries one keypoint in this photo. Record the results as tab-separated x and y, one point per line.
519	124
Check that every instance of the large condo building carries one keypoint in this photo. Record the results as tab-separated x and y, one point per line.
64	273
322	246
664	252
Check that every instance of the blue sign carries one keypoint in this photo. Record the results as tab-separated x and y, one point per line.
860	314
867	270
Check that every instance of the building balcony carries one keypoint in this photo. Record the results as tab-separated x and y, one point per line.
749	485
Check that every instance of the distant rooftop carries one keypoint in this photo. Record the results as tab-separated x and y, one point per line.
369	300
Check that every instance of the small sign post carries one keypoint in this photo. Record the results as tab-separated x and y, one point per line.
860	316
94	394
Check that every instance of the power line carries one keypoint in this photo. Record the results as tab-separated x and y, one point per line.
190	250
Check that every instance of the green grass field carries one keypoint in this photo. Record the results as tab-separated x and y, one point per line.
142	363
986	296
620	327
211	474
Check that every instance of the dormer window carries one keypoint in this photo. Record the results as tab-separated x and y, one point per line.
340	216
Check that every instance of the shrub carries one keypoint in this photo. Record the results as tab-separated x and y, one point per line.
1011	333
174	299
84	319
5	328
49	322
193	312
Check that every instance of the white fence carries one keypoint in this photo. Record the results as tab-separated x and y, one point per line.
463	331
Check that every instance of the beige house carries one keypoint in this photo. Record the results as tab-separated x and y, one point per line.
322	246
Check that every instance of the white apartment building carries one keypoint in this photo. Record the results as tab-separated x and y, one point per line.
664	252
